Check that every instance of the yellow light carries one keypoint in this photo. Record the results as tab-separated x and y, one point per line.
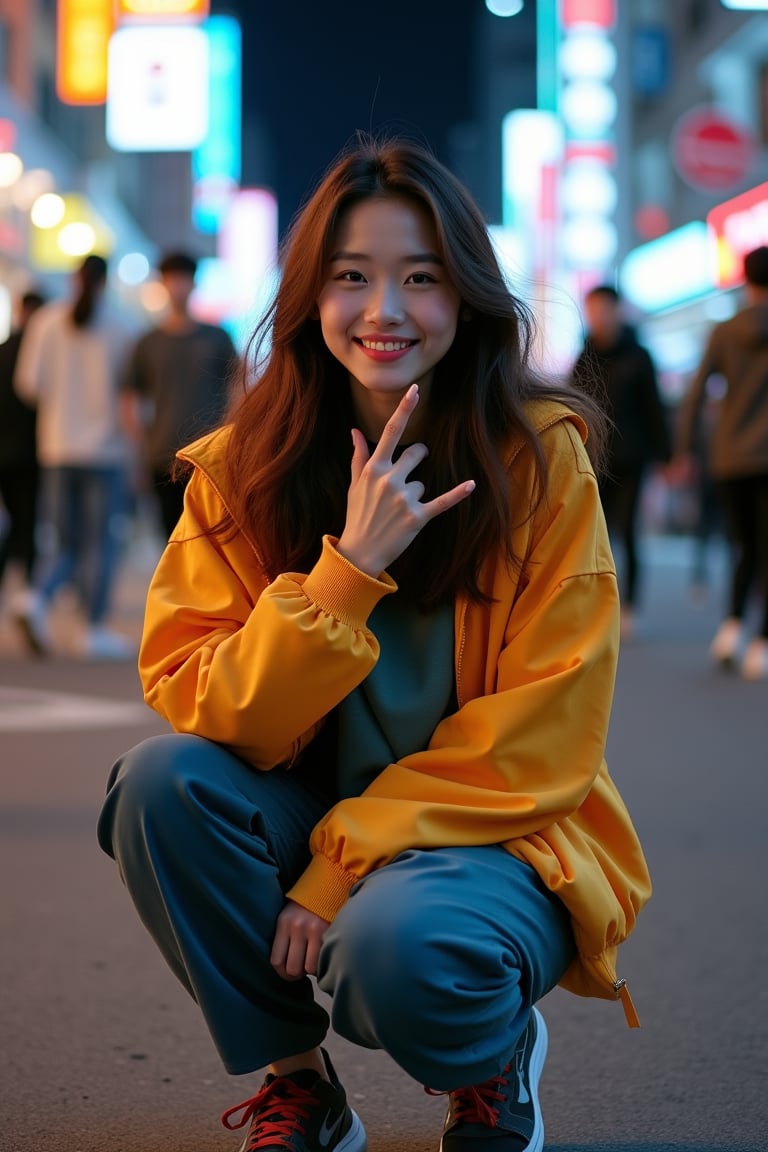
47	211
149	10
76	239
83	29
79	231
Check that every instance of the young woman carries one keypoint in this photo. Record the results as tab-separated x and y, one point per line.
70	361
388	664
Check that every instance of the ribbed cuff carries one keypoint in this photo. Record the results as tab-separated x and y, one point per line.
323	887
342	590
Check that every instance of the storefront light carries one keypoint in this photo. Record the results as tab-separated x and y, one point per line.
47	210
133	268
589	242
588	186
587	55
669	270
504	7
77	238
589	109
11	168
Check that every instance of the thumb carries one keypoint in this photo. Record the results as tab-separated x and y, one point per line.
360	455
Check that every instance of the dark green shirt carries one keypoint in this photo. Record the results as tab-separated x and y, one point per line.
400	703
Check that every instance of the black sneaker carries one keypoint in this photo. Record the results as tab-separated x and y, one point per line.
503	1114
302	1113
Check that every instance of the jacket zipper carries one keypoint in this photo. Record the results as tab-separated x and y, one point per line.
630	1012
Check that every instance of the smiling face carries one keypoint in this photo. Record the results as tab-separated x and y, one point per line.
388	310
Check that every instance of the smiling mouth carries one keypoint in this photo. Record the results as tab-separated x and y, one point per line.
385	345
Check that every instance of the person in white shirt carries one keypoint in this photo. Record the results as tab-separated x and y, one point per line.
69	366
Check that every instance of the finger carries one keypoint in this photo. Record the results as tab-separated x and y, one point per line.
279	947
448	499
296	958
359	455
396	425
313	953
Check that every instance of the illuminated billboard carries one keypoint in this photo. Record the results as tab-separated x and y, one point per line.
216	163
157	97
148	11
669	270
83	29
738	225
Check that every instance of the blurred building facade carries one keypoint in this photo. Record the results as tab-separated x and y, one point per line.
699	126
61	151
671	122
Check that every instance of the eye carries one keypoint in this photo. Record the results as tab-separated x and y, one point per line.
421	278
350	276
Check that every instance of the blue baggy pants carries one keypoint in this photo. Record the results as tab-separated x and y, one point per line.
435	958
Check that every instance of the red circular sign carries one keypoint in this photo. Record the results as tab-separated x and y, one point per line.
710	151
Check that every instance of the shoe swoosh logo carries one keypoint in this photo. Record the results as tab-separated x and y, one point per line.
326	1134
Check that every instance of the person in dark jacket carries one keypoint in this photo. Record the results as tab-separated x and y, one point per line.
19	470
617	369
737	350
177	384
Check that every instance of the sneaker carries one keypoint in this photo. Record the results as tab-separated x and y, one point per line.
301	1112
100	644
30	613
503	1114
755	663
725	646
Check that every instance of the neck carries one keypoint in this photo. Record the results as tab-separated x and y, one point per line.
178	322
373	411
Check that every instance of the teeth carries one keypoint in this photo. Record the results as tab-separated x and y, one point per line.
386	345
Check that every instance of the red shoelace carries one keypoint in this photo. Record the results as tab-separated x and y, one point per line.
474	1105
277	1110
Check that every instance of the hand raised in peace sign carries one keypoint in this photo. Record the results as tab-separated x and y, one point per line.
384	508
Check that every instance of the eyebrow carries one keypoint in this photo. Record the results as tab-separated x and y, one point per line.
416	258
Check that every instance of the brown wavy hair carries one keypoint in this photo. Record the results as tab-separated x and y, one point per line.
290	449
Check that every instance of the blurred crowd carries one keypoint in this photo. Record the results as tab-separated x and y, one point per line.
93	411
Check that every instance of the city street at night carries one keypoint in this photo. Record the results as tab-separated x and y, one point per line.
518	249
102	1050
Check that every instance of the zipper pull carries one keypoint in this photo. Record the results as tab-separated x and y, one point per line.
622	993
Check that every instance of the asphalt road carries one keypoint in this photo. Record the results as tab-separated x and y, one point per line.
100	1051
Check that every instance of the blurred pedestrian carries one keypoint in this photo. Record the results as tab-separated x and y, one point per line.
737	349
619	371
707	515
69	363
19	469
177	384
389	665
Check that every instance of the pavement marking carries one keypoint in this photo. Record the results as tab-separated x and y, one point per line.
29	710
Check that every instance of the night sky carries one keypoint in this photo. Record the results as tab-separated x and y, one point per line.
314	73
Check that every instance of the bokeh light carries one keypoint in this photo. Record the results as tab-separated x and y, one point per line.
47	210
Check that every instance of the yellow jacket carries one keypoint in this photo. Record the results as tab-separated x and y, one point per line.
255	661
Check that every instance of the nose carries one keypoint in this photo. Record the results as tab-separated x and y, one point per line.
385	305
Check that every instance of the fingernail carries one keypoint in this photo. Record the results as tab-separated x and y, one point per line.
413	390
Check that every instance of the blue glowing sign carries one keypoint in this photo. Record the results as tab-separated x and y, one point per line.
216	163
